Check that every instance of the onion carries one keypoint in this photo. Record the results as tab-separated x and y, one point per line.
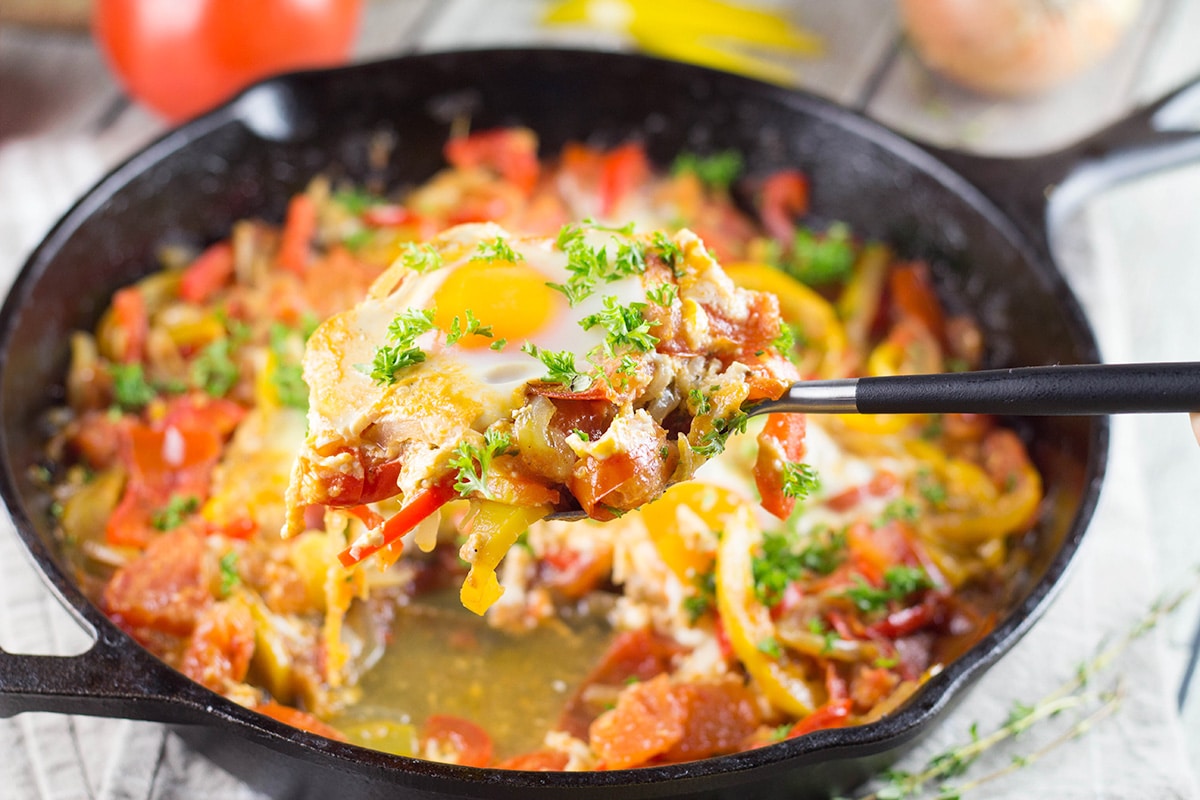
1014	47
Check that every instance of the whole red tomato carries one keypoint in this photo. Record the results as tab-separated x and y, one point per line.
181	57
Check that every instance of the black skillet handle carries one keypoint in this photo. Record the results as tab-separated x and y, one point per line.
1038	192
115	678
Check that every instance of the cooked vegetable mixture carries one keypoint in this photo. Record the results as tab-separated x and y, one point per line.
811	575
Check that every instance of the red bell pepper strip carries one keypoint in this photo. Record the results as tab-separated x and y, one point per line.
623	170
833	714
784	197
412	514
299	227
131	317
210	270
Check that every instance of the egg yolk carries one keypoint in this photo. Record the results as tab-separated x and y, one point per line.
512	298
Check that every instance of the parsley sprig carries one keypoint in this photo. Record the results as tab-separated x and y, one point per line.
131	391
420	257
800	480
497	249
627	326
718	170
288	377
668	251
898	583
712	443
401	350
785	559
560	367
172	515
590	266
473	463
472	328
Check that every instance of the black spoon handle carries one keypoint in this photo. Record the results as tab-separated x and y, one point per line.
1077	390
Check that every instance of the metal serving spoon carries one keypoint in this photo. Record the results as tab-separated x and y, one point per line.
1076	390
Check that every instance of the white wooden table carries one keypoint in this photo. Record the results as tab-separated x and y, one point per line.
63	122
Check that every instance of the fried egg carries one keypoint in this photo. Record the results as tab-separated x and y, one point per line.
515	302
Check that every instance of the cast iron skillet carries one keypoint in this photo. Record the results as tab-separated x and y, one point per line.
981	223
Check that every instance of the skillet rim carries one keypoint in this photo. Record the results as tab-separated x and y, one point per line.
895	729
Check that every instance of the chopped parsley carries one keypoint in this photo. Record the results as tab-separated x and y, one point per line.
355	201
560	367
131	391
930	488
229	574
214	370
701	403
472	328
630	260
663	295
172	515
783	562
568	235
785	342
591	265
290	388
402	350
712	443
420	257
718	171
473	463
899	510
498	345
498	249
817	626
770	646
668	251
821	259
698	604
627	326
899	582
288	377
799	480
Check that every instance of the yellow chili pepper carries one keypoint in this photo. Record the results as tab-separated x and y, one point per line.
708	32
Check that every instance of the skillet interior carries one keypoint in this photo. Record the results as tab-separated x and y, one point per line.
248	157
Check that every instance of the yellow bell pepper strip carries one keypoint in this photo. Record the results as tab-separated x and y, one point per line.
673	519
983	503
492	528
860	299
823	341
749	626
423	503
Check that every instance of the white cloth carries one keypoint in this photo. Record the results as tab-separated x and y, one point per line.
1136	754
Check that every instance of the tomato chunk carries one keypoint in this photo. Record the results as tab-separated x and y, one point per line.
782	439
455	739
163	590
219	650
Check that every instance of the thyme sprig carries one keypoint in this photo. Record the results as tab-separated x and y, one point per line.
933	778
